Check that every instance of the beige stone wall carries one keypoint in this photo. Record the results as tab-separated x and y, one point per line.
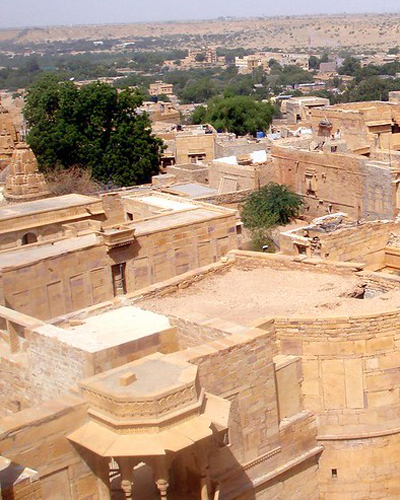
366	243
350	368
48	224
191	333
37	440
266	458
366	469
14	385
342	182
187	144
54	365
368	123
71	281
189	172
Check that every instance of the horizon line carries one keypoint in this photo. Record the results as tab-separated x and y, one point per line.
199	20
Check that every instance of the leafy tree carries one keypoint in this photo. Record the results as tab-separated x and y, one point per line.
314	62
164	98
350	66
94	127
199	115
200	57
394	50
273	63
240	114
271	203
199	91
325	57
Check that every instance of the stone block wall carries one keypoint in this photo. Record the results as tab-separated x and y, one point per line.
237	147
360	469
189	172
198	331
81	278
351	380
266	459
37	440
342	182
364	243
14	384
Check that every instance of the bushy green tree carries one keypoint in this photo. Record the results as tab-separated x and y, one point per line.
314	62
240	114
272	205
93	127
350	66
272	202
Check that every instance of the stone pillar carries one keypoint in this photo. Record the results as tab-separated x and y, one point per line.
205	481
126	468
161	473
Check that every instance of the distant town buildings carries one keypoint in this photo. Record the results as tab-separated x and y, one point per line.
247	64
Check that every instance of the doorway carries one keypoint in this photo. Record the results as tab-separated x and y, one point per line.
118	277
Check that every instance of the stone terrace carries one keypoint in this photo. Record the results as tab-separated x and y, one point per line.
244	294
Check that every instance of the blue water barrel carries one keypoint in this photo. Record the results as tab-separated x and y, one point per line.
260	135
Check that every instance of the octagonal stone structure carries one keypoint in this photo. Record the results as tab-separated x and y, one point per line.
147	394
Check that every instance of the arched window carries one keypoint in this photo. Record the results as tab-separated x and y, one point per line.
29	238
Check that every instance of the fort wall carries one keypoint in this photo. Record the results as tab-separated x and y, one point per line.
320	176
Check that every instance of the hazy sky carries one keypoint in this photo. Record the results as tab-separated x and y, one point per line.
48	12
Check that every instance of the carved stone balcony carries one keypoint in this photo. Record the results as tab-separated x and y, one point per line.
118	236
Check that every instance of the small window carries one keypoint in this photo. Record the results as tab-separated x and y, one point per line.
301	249
334	474
311	184
239	229
129	215
29	238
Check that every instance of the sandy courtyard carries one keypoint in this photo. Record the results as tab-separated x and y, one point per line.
243	296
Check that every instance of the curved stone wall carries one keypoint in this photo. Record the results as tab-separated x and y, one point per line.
351	370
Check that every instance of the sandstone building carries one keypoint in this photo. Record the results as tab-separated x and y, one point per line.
211	384
143	356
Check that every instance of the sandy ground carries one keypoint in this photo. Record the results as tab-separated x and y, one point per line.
243	296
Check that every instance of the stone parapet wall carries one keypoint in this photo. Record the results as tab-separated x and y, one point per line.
365	469
350	368
37	439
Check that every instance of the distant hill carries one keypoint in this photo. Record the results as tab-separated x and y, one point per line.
359	31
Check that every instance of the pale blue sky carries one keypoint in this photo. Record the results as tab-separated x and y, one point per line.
49	12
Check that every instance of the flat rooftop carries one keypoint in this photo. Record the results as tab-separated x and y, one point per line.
166	203
46	205
148	379
167	221
193	190
255	157
110	329
243	296
29	254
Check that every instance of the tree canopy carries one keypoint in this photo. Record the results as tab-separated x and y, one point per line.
94	127
272	204
238	114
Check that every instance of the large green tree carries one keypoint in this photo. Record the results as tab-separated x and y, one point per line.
239	114
275	201
94	127
270	206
